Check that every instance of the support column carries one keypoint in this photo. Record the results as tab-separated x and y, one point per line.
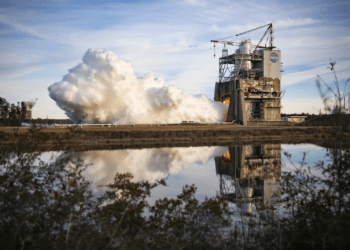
217	92
241	117
231	113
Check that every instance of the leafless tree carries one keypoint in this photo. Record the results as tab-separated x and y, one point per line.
333	91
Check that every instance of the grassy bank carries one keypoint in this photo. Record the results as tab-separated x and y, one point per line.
145	136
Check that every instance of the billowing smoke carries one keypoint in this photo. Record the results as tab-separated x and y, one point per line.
105	89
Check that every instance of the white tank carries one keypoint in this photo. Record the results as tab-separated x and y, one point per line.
246	65
245	47
243	64
224	51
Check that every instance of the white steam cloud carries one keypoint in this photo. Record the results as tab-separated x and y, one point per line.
105	89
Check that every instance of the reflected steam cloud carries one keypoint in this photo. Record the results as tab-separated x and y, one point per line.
144	164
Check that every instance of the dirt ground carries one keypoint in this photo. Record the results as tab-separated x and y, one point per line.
140	136
152	128
120	128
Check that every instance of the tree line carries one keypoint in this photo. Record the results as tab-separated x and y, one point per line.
10	113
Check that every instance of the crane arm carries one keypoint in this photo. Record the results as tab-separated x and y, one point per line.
254	29
228	42
223	42
262	38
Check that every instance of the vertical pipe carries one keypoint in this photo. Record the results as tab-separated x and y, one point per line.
236	102
271	36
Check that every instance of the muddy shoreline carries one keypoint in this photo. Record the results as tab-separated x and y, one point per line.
80	139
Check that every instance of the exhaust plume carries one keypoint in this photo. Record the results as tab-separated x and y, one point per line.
105	89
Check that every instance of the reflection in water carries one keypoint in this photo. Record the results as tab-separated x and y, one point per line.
144	164
251	175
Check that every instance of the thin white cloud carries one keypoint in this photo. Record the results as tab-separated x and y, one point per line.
19	72
10	21
195	2
290	22
296	105
310	75
16	59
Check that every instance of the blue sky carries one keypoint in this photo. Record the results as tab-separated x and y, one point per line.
40	40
